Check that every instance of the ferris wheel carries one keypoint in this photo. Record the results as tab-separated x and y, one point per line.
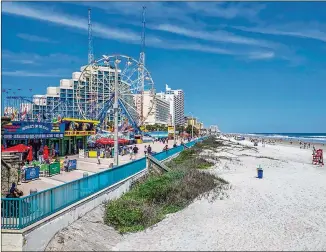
96	88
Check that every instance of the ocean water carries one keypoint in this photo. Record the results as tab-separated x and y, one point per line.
305	137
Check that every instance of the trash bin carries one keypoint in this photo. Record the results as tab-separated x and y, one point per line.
32	191
260	173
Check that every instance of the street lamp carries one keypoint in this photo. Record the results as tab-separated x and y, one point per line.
116	115
192	125
174	142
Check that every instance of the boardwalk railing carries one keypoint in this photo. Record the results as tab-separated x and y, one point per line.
17	213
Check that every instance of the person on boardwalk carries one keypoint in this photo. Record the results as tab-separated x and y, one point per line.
135	150
98	156
149	150
131	153
145	150
66	164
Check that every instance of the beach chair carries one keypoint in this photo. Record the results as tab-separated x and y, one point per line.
317	158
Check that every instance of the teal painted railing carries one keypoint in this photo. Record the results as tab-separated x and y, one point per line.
22	212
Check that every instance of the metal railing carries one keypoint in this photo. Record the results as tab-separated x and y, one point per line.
17	213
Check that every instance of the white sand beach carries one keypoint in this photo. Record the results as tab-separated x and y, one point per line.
286	210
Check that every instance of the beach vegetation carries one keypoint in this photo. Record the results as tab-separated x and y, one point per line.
150	200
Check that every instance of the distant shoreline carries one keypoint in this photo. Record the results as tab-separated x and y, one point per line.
315	138
286	140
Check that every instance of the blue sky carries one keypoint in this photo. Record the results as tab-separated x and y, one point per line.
245	66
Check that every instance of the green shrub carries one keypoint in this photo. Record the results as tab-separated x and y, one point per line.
149	201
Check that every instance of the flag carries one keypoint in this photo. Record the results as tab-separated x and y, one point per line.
13	115
23	116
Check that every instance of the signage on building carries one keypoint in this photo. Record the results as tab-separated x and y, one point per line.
79	133
76	127
33	130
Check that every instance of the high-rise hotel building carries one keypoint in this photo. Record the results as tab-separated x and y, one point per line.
176	100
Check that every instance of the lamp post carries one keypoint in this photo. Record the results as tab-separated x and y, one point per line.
192	125
174	142
116	115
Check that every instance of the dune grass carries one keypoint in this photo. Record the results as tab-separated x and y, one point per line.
149	201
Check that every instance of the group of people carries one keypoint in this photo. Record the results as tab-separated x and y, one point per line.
305	145
14	192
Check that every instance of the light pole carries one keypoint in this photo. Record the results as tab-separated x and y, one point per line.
116	116
192	125
174	142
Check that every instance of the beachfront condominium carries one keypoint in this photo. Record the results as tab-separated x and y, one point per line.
78	97
157	110
176	102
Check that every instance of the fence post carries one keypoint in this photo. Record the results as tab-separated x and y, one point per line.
78	189
20	217
52	201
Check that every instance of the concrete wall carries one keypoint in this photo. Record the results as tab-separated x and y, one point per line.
37	236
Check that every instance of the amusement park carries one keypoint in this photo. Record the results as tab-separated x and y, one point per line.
106	115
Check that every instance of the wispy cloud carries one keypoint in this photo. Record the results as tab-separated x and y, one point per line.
227	10
36	59
301	30
215	36
123	35
47	15
23	73
34	38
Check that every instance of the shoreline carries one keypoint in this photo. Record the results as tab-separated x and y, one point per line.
282	141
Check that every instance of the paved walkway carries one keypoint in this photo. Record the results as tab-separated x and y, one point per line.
88	165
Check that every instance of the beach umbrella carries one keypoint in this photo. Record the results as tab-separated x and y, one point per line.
17	148
104	141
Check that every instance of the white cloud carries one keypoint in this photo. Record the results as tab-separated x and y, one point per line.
300	30
44	14
124	35
36	59
217	36
34	38
22	73
229	10
261	55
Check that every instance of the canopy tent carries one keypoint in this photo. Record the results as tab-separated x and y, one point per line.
157	134
110	141
17	148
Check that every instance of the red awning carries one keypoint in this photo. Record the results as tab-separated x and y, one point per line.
17	148
106	141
